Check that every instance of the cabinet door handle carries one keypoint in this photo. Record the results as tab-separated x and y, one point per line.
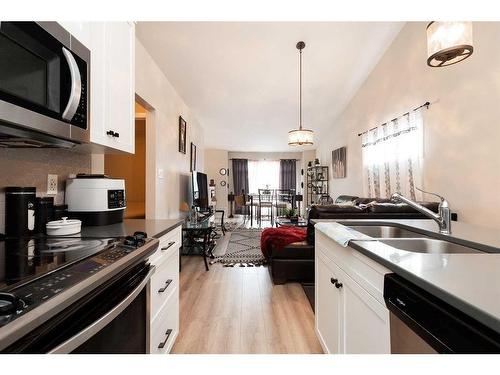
333	281
111	133
338	285
117	135
169	245
162	344
167	283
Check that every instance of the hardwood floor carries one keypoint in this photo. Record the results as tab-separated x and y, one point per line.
239	310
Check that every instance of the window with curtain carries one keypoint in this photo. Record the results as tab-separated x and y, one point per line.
240	179
263	174
392	157
288	174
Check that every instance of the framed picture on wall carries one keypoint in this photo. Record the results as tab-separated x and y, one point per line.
193	157
182	135
339	162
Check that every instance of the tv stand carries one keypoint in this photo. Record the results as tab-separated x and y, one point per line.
200	234
205	215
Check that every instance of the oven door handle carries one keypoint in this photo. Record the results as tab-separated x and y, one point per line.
84	335
76	86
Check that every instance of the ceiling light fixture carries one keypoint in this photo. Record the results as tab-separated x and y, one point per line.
448	43
300	137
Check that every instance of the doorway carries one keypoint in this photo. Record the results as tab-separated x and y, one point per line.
132	168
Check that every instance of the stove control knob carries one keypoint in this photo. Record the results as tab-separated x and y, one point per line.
9	304
140	235
130	241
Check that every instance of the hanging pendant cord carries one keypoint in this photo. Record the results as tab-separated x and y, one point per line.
300	89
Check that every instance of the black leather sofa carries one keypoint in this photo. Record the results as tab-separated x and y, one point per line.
295	262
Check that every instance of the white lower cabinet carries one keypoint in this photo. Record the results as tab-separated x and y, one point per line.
328	308
365	322
165	329
349	320
164	294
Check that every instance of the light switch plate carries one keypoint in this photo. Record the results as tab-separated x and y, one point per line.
51	184
161	175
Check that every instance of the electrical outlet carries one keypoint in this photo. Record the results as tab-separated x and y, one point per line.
51	184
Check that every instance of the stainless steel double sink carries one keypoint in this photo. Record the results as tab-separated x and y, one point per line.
405	239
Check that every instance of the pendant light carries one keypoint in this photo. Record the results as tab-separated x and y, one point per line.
448	43
300	137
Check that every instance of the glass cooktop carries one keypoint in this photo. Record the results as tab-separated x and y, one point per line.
22	260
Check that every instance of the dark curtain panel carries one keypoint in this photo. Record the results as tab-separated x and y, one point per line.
288	174
240	178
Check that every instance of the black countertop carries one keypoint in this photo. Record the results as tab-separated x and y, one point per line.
153	228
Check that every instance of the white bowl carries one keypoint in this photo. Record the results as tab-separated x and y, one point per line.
63	227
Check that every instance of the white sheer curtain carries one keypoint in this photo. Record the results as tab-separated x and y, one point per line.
393	157
263	174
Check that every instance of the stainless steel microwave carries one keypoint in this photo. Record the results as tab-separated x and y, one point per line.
44	86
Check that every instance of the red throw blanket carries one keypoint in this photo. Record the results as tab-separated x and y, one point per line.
278	238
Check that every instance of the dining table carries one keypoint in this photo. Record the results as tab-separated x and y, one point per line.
254	196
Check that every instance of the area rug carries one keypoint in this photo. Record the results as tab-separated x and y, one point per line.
231	226
243	249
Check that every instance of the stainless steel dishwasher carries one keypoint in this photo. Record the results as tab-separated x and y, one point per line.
421	323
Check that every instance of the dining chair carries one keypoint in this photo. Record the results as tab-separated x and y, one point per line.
266	197
283	199
251	201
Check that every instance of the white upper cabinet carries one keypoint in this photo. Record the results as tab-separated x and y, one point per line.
119	66
112	82
80	30
98	88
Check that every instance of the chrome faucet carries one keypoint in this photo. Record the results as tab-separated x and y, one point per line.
443	217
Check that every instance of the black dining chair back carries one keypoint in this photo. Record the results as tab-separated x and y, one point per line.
266	198
284	198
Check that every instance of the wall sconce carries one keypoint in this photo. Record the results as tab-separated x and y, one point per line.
448	43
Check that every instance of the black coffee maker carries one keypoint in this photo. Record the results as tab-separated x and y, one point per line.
19	211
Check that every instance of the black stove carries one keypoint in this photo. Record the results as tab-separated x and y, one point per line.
35	270
26	259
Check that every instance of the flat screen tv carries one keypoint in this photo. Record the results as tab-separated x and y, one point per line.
200	190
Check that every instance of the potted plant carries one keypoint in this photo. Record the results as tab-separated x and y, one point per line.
292	214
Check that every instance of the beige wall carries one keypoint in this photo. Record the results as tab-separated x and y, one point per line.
264	155
172	178
214	161
462	132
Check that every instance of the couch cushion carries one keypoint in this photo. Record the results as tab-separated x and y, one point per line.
345	199
333	209
273	240
400	207
296	250
371	200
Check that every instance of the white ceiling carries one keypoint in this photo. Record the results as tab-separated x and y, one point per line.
241	78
